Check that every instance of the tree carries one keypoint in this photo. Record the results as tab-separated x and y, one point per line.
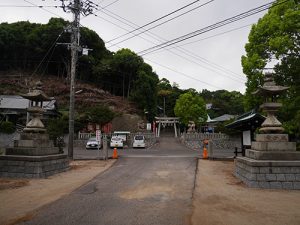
223	102
164	94
144	93
275	40
190	106
168	95
98	114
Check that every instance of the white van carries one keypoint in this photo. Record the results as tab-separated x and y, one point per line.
121	134
139	141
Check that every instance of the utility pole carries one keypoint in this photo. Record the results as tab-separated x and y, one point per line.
74	55
76	7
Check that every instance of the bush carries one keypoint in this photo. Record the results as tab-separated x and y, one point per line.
7	127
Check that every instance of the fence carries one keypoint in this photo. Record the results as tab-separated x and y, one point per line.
85	136
202	136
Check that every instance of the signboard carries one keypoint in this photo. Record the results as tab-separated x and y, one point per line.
98	135
247	137
148	126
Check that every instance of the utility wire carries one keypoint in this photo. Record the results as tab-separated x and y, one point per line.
45	9
158	38
186	52
47	53
209	28
30	6
236	78
160	18
184	74
175	17
106	6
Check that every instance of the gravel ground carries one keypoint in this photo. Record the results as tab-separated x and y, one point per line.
221	199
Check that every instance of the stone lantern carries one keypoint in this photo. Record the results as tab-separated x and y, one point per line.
272	161
37	97
270	91
33	155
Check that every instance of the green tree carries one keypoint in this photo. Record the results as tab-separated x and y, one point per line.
223	102
168	94
126	64
275	40
144	93
190	106
7	127
98	114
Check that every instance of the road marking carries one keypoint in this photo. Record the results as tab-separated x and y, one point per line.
158	156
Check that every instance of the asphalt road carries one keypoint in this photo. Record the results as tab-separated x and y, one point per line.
144	187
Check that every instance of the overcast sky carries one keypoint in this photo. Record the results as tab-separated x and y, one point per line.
209	61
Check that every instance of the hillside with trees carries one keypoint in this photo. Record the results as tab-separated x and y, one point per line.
39	50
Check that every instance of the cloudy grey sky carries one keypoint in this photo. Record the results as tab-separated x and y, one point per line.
209	61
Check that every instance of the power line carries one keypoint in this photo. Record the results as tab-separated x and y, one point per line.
189	54
209	28
110	4
53	45
215	35
186	52
44	9
160	18
184	74
30	6
135	35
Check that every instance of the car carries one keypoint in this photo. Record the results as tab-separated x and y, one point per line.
116	142
92	143
139	141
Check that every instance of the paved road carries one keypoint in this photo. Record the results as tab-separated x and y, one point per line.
145	187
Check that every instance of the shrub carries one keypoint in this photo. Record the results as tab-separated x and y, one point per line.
7	127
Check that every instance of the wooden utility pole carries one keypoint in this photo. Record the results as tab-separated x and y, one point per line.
77	7
74	56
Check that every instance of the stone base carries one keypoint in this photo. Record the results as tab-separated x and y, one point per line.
272	137
33	144
32	166
268	174
32	151
272	155
273	146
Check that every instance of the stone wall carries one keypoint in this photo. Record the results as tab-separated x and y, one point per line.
268	174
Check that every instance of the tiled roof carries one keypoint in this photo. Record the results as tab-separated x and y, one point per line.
18	102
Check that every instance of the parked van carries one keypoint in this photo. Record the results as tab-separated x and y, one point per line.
121	134
139	141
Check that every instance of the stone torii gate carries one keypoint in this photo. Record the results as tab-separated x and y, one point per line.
166	120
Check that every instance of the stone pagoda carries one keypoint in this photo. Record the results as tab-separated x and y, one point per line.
272	161
34	154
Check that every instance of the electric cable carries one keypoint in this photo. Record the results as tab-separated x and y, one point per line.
184	74
209	28
232	77
135	35
187	52
30	6
162	17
